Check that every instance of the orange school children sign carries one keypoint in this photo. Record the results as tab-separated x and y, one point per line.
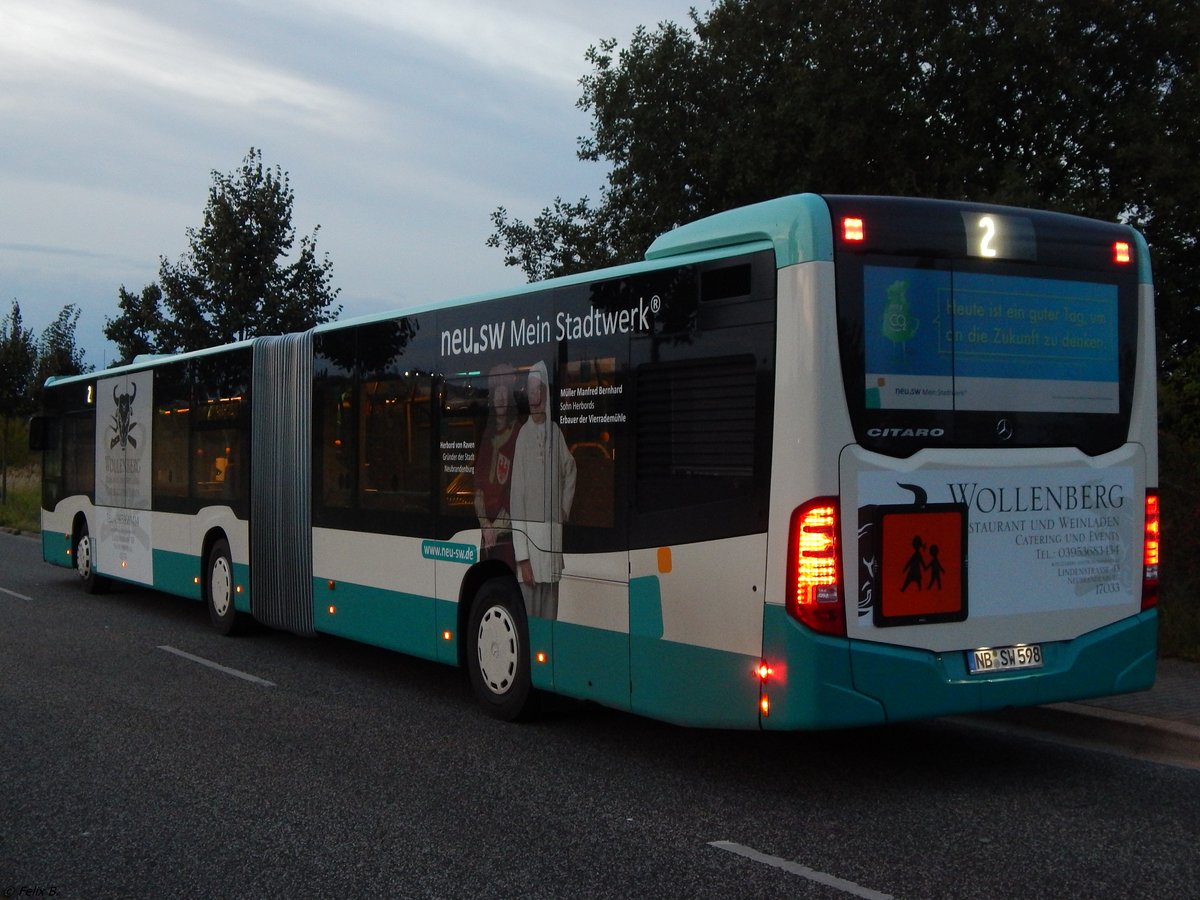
922	564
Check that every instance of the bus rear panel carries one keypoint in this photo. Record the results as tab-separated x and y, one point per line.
980	527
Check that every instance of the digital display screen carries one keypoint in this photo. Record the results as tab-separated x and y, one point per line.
945	340
994	236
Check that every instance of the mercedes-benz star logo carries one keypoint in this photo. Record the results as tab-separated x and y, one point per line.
1004	430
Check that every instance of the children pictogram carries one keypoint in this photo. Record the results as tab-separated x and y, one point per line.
922	564
915	566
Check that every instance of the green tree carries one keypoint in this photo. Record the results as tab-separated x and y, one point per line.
18	357
1077	105
57	352
235	280
135	330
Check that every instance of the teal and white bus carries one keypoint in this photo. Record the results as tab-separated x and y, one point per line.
818	462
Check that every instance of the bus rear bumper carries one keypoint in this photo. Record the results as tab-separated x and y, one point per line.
916	684
824	682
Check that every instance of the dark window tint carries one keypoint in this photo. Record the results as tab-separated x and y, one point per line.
220	429
172	431
397	432
69	441
373	429
695	431
79	452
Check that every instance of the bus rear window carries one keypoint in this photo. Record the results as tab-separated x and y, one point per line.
1022	333
983	342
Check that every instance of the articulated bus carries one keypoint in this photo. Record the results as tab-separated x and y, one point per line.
819	462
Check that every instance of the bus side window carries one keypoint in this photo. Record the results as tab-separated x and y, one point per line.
172	407
699	470
395	431
695	428
220	428
45	436
79	460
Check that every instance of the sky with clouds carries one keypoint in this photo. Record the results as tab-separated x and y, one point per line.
402	125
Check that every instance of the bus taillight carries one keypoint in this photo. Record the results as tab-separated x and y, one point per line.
814	587
1150	553
1122	253
853	229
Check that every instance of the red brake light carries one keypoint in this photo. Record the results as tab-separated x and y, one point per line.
1150	553
853	229
814	576
1122	254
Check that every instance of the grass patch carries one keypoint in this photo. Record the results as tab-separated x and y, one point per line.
22	511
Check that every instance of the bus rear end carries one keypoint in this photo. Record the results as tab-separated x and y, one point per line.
990	538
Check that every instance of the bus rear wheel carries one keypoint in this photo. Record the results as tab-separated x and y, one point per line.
497	656
219	589
85	562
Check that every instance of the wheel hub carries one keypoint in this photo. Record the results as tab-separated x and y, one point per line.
83	557
220	583
498	649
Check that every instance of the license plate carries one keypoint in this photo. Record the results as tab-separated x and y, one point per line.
1004	659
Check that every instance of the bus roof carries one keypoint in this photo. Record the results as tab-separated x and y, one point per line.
797	226
146	361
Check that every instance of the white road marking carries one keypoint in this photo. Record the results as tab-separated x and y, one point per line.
15	594
246	676
848	887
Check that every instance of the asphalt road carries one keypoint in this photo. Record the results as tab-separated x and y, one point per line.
322	768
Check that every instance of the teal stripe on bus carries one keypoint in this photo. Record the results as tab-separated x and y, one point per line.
394	620
591	663
811	685
691	685
56	549
916	684
176	573
541	640
645	607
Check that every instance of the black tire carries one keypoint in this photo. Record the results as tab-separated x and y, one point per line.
497	652
219	589
84	552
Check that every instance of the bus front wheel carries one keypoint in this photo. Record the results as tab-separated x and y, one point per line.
497	656
219	588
